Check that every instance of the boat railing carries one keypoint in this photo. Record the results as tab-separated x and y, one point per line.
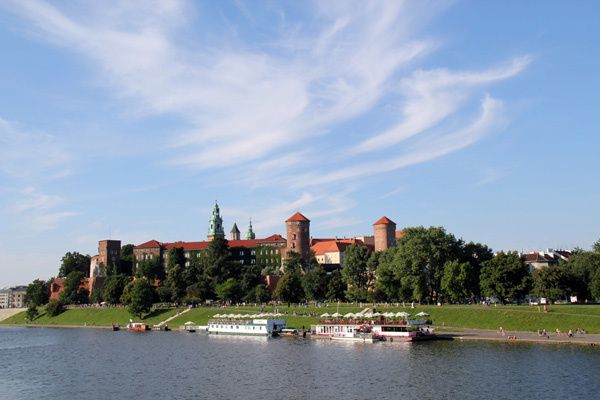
361	321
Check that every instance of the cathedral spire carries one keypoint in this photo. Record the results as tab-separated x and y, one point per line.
235	232
250	235
215	224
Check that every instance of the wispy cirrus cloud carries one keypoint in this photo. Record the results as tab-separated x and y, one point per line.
241	105
37	211
422	151
275	111
26	154
431	96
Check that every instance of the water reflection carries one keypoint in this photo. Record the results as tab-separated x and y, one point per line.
98	364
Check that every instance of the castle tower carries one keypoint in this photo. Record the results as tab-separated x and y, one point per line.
250	235
297	229
109	253
385	234
215	224
235	233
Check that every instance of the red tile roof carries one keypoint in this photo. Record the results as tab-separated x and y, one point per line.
333	246
148	245
186	245
203	245
297	217
537	257
384	221
399	234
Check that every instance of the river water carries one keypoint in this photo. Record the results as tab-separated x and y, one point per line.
39	363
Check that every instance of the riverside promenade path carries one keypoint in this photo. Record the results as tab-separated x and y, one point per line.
467	334
9	312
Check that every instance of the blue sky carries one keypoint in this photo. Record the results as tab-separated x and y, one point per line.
129	120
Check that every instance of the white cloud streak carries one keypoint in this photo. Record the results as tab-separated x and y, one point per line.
26	154
261	108
422	152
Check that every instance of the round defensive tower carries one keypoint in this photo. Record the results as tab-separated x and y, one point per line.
297	229
384	231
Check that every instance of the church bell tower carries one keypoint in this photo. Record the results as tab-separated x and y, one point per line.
215	224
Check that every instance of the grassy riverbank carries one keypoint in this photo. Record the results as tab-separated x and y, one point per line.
516	318
88	317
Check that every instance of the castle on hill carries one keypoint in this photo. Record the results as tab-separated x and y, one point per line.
268	253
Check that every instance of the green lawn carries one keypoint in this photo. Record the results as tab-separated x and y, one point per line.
521	318
90	317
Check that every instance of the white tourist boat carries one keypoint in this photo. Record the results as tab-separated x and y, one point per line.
247	327
402	331
346	332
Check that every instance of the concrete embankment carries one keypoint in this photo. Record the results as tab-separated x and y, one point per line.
519	336
9	312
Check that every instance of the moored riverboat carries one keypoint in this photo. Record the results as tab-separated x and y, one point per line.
138	326
246	327
345	331
402	331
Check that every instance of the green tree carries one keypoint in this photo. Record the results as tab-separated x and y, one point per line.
228	291
113	288
289	288
583	266
96	297
400	277
175	256
142	296
475	254
127	260
595	286
388	282
336	287
74	262
292	261
505	277
455	281
553	282
356	272
151	269
32	312
73	291
218	266
261	293
37	293
126	296
199	291
424	252
176	282
249	278
54	308
596	247
314	283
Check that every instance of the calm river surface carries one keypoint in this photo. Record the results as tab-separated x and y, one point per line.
38	363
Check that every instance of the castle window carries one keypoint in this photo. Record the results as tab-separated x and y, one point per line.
294	236
253	252
293	245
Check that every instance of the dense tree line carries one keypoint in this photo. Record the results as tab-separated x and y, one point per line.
426	265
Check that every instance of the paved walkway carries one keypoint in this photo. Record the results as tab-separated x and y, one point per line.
9	312
173	317
517	336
